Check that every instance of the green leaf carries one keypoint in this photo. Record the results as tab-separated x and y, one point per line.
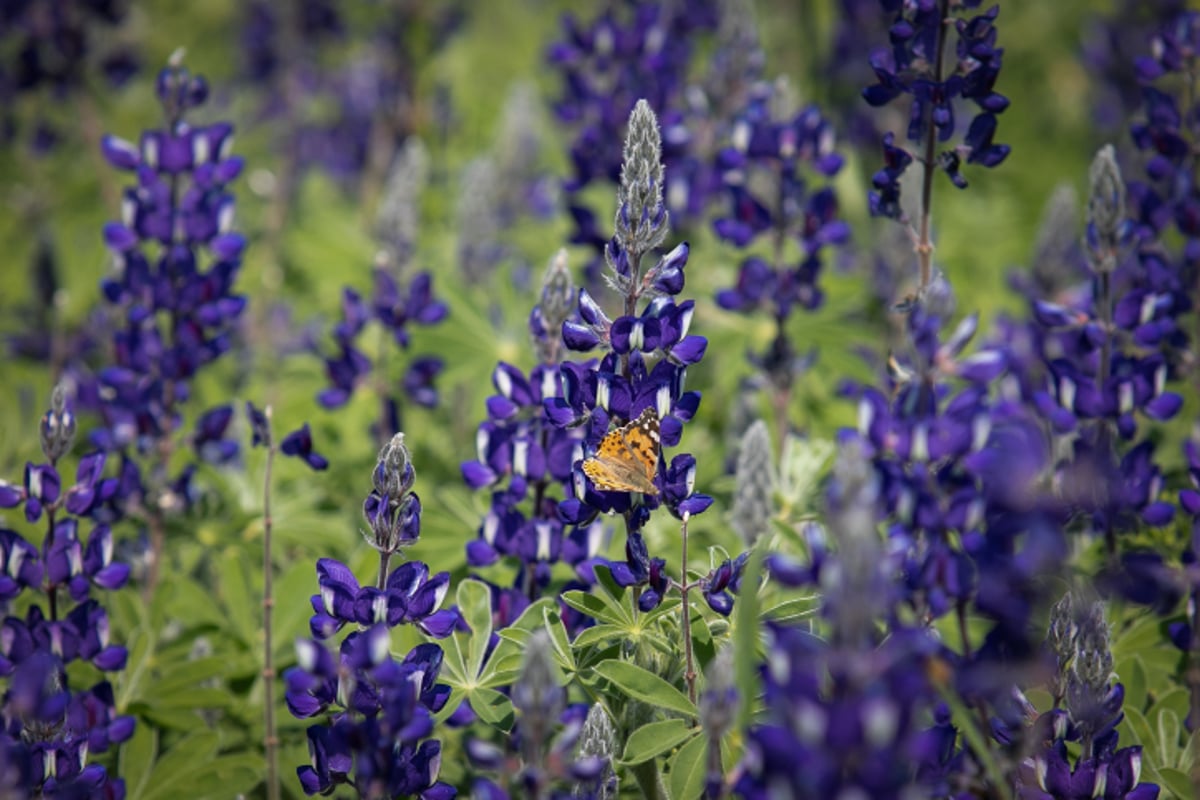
791	609
1140	728
510	652
651	741
184	675
240	607
194	698
610	587
745	638
1175	782
1168	737
475	604
136	676
187	756
1133	676
645	686
688	767
598	633
493	708
137	759
457	695
220	777
187	599
600	609
559	639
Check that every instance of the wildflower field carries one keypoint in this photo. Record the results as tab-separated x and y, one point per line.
643	398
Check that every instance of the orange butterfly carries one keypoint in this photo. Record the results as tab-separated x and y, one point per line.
627	458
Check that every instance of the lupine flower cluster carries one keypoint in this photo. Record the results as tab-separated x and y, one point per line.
52	729
296	53
767	173
847	710
648	352
526	461
172	312
48	51
376	709
394	304
916	66
632	51
942	612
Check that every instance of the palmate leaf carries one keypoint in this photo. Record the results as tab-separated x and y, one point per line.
193	767
475	680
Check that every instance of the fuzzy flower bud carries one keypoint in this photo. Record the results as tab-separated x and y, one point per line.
398	218
537	695
598	740
641	222
394	474
752	507
718	707
58	426
557	304
1106	210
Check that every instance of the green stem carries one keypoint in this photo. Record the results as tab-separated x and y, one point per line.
685	611
271	740
924	246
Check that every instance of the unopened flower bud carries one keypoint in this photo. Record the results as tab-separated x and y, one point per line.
58	426
537	695
1106	210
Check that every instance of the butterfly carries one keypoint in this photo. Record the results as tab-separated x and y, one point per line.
627	457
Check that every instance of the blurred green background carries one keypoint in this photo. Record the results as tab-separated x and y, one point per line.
301	256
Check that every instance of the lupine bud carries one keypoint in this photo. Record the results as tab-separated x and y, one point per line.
718	706
598	740
58	426
398	217
853	582
558	293
1093	652
1088	687
641	222
537	695
1106	210
1060	636
479	248
752	503
394	474
719	702
1055	253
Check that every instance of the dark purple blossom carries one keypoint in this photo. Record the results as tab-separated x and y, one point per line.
376	709
299	443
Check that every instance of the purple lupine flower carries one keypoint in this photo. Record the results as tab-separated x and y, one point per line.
624	54
724	581
527	461
379	708
50	51
393	305
1112	45
173	309
299	443
365	90
914	67
54	726
791	156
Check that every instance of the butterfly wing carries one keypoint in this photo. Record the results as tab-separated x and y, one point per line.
627	457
